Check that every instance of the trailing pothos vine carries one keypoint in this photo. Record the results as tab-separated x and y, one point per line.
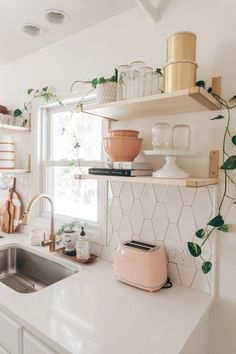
228	164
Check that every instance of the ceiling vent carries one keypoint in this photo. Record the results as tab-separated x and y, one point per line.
57	16
32	29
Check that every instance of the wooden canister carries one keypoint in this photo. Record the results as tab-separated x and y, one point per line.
181	46
7	152
180	75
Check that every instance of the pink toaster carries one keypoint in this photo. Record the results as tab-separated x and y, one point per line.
141	264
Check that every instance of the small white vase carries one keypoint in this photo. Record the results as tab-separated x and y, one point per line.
106	92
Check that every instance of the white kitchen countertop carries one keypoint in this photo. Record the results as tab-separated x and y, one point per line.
90	312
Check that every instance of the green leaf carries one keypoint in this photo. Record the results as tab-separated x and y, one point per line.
206	267
200	83
45	89
46	96
233	98
113	78
200	233
158	71
102	80
77	145
116	74
217	221
230	163
72	162
224	228
29	91
218	117
194	249
234	139
94	82
17	112
209	90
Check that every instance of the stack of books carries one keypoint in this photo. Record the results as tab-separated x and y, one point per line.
128	169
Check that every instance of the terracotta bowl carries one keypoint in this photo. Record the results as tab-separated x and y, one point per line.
124	132
122	148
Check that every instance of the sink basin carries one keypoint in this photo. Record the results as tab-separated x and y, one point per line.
26	272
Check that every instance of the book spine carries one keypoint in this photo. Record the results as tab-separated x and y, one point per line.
131	165
109	172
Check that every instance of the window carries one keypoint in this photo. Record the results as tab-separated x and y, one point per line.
74	199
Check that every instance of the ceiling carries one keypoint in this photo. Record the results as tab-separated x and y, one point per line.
83	14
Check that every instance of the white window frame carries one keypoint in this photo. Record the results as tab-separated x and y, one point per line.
98	233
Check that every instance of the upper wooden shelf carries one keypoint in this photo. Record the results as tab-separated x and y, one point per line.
14	171
186	182
14	127
194	99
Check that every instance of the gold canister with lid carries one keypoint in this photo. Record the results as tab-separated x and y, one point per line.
180	75
181	46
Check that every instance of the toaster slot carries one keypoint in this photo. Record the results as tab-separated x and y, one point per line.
143	244
133	245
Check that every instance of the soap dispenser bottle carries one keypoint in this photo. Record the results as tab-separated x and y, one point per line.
82	246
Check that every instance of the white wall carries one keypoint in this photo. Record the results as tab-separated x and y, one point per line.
131	36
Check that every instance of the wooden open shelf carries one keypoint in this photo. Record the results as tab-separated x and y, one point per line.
186	182
194	99
15	171
14	127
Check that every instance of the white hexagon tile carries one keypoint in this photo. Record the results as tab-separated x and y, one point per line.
136	217
173	204
148	201
160	227
166	215
126	198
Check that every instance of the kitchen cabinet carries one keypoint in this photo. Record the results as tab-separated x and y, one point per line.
10	334
3	350
32	345
14	339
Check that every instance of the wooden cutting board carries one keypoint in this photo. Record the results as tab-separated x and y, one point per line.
12	213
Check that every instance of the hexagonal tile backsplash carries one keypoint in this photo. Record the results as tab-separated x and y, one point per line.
166	215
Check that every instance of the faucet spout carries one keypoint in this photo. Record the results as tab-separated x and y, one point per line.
51	242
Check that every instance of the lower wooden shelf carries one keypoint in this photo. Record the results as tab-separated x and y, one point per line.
186	182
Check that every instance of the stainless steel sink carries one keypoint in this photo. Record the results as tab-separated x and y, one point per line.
26	272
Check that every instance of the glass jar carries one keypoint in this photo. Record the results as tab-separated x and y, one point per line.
161	136
147	75
136	79
181	137
123	91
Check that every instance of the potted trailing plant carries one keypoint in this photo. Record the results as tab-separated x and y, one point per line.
106	88
228	164
23	114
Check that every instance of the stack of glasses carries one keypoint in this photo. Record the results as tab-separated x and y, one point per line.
137	80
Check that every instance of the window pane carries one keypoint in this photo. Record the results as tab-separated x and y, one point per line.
87	129
74	198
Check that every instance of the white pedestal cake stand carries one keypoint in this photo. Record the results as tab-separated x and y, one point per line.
170	169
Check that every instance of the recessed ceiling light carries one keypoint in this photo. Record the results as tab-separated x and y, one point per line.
57	16
32	29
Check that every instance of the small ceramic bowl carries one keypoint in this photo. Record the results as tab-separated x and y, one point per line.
122	148
124	132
